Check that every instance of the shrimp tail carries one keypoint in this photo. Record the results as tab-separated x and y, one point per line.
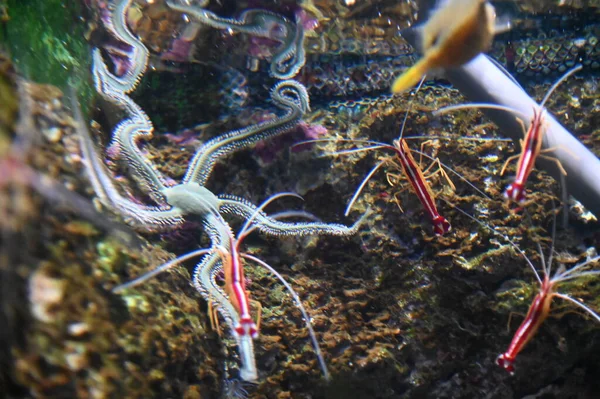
411	77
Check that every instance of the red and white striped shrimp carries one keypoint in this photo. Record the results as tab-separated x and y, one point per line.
540	306
531	145
412	171
548	290
235	287
244	328
420	186
235	282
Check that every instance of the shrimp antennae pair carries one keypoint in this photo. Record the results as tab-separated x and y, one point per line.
540	306
378	146
411	170
531	145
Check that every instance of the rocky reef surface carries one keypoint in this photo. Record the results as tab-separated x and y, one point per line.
398	311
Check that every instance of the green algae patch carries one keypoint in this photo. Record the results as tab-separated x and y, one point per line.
46	40
10	102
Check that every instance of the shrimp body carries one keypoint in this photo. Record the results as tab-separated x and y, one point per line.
540	307
235	286
420	186
532	146
537	313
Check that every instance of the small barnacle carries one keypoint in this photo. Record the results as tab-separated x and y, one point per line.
577	208
78	329
137	302
45	292
53	134
76	356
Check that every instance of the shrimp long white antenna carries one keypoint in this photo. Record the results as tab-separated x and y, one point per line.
550	256
545	268
410	105
339	140
362	185
482	139
296	298
576	272
496	107
294	214
245	231
497	233
570	72
566	277
580	304
355	150
165	266
505	108
377	145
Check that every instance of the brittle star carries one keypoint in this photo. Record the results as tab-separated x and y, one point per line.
174	203
289	57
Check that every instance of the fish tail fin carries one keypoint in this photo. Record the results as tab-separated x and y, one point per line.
411	77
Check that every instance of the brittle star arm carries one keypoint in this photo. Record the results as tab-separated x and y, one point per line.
139	53
289	95
289	58
230	204
129	131
143	217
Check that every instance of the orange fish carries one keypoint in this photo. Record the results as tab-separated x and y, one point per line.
456	32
